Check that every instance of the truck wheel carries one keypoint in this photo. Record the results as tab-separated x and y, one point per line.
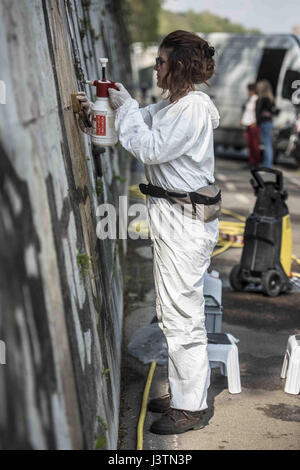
271	283
235	279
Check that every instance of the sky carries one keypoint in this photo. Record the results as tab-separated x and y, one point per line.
270	16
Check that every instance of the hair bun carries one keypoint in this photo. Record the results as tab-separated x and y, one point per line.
211	51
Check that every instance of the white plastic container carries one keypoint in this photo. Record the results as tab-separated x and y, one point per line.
103	120
213	302
213	315
213	286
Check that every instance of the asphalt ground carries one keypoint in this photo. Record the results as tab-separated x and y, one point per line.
262	416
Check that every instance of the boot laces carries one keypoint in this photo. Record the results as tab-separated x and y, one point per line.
175	414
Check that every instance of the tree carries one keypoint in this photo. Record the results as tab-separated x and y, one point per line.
205	22
143	20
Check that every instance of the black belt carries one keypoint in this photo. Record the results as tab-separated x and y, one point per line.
195	197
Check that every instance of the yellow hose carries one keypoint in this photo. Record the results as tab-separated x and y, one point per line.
234	214
144	407
231	231
221	250
134	191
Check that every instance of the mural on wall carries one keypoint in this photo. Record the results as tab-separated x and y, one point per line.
61	289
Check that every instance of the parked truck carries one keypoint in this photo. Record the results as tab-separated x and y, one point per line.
248	58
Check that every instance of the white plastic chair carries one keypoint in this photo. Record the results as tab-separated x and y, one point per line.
226	356
291	365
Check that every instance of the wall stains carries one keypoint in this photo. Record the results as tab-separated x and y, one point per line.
282	411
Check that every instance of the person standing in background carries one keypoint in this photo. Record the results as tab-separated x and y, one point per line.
252	131
265	109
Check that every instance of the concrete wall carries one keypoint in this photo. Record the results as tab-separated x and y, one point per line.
61	323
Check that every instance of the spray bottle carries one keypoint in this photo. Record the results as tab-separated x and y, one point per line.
103	116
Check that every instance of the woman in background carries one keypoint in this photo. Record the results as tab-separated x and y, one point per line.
265	109
251	129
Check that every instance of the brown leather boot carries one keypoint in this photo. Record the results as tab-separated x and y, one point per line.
178	421
160	404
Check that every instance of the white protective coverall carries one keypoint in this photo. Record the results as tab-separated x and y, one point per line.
175	142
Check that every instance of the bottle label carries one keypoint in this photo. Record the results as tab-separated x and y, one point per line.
100	125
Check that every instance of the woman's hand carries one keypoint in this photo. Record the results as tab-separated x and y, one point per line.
85	104
118	97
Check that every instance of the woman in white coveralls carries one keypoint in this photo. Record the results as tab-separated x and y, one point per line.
174	140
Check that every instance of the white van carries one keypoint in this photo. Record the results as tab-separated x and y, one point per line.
247	58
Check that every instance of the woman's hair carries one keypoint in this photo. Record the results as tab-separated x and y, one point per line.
264	90
190	61
251	87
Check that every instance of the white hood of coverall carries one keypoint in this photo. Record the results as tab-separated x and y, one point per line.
214	113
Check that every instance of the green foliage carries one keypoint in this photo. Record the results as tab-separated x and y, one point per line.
148	22
204	22
100	443
119	178
143	20
99	187
86	3
83	263
105	372
103	423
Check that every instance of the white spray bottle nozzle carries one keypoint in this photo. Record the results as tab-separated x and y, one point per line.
103	61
